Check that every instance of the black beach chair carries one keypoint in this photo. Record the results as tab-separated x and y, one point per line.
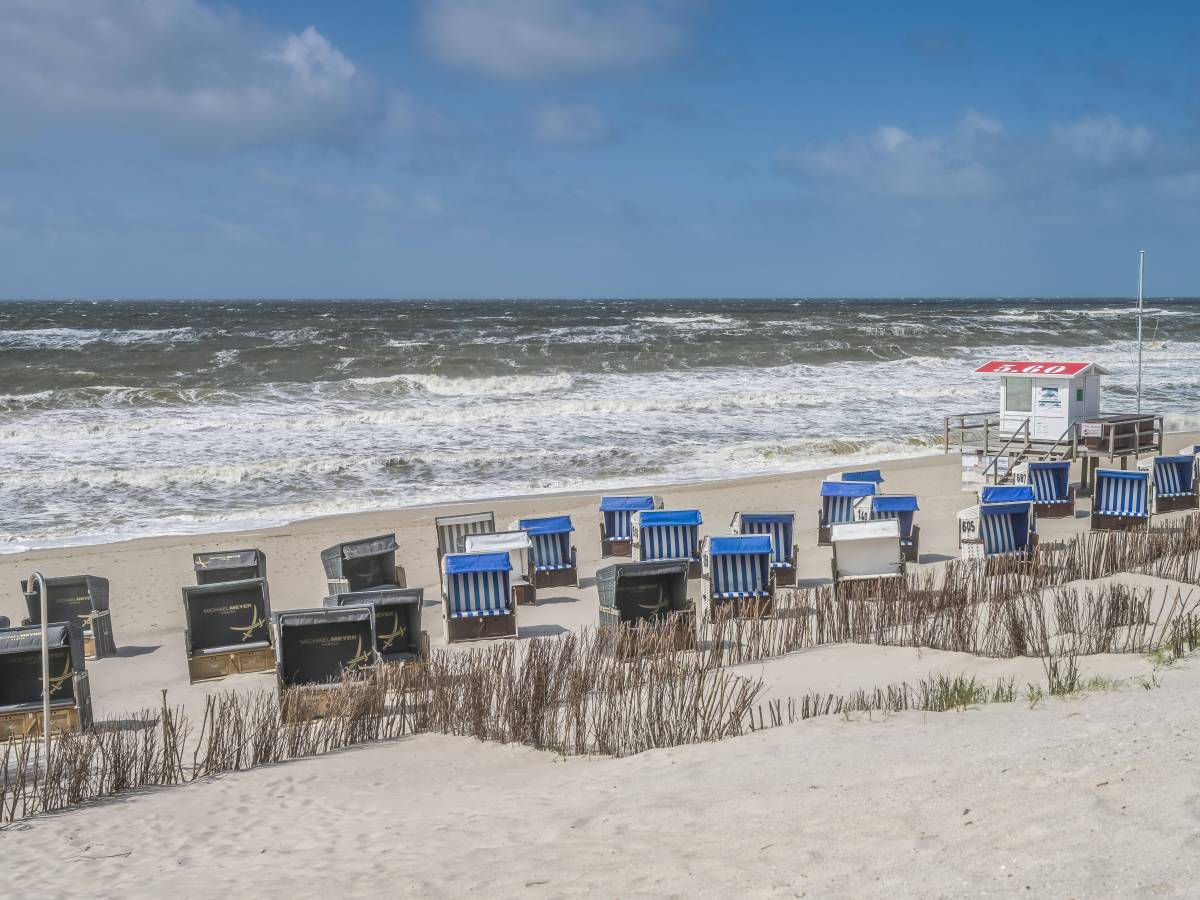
82	600
21	680
227	629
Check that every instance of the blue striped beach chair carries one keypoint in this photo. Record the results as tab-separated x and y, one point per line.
476	596
551	555
1050	480
668	534
837	504
616	522
1007	530
736	572
781	526
1174	483
901	507
866	554
1120	500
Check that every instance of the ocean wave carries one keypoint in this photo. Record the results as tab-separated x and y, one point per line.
71	338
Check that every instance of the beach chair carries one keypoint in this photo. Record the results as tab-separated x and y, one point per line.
1007	531
781	527
368	564
452	531
668	534
1053	493
867	555
517	545
229	565
476	598
551	554
21	680
970	537
837	505
901	507
319	651
81	599
227	629
736	577
638	600
1173	482
1121	500
398	634
616	522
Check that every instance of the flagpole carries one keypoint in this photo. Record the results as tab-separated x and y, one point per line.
1141	274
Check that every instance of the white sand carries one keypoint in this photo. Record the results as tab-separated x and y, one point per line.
1086	797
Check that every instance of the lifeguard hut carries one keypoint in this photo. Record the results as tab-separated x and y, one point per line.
1048	411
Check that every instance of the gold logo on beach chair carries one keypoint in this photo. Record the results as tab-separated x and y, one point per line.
359	658
389	639
56	683
248	630
654	607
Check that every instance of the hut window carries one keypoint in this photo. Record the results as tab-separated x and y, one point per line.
1018	394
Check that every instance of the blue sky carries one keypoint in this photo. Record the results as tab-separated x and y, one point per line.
445	148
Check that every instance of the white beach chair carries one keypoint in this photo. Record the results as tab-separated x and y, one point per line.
866	553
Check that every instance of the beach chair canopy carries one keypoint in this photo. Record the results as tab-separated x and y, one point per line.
227	615
477	584
1174	476
901	507
618	514
644	590
870	476
21	664
740	565
453	530
780	526
867	549
229	565
837	499
516	544
669	533
1121	493
1006	493
551	539
70	598
1050	481
319	646
1005	527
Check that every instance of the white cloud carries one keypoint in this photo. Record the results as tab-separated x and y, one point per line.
536	38
570	124
1105	140
177	68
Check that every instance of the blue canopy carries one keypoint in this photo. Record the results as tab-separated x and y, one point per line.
1007	493
739	544
767	518
670	517
847	489
1117	474
460	563
872	475
1003	509
613	504
885	503
548	525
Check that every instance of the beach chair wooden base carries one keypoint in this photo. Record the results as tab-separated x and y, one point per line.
741	608
480	628
1102	522
615	547
785	576
824	535
235	662
556	578
635	642
309	703
1174	504
694	570
524	594
911	549
881	587
65	720
1063	509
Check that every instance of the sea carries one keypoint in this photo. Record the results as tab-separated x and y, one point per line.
121	419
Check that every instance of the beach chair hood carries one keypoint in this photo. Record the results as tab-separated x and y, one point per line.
230	559
627	504
71	598
496	541
847	488
1006	493
740	544
465	563
547	525
653	518
871	476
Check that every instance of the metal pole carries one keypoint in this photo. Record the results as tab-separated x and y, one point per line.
1141	273
43	592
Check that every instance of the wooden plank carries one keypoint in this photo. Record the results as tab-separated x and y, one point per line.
16	725
235	662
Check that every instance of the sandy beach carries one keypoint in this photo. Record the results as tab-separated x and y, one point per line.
1070	797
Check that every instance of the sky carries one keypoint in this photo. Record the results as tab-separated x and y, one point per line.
575	148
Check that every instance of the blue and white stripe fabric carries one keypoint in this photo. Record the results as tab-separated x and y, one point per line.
669	534
1004	528
550	540
477	584
837	500
1120	493
780	527
1174	476
901	507
618	515
1050	481
740	566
